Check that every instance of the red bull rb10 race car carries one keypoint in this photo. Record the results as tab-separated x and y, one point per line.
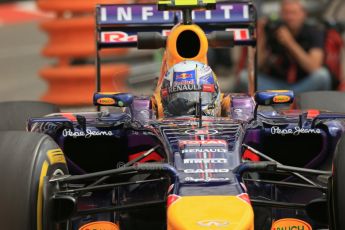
186	158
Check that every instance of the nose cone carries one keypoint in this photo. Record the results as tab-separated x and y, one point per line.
210	212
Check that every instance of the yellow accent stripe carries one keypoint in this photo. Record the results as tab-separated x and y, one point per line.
44	171
164	2
108	93
186	2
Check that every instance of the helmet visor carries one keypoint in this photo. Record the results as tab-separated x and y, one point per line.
184	103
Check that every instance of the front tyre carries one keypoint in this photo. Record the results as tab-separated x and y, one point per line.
26	159
337	189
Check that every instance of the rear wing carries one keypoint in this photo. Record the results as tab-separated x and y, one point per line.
118	25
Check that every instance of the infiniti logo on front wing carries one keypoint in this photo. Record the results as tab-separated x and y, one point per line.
214	223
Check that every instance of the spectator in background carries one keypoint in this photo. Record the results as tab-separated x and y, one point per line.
290	53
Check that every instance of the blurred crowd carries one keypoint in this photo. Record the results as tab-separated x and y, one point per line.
296	51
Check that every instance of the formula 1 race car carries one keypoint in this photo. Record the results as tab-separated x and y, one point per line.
186	158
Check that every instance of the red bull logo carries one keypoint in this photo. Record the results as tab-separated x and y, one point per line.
184	76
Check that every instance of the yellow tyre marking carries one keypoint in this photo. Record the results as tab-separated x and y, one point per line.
44	171
56	156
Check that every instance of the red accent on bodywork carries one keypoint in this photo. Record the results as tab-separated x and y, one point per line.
245	198
172	198
69	116
312	113
249	155
154	156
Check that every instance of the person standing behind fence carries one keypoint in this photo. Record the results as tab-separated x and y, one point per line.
290	53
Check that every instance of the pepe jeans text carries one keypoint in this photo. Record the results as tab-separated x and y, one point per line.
295	131
87	134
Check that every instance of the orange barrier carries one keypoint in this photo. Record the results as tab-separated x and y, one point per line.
71	37
77	6
74	37
75	85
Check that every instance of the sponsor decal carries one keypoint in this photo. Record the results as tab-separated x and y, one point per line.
290	224
183	76
56	156
205	150
190	82
240	34
106	101
206	142
206	170
47	126
225	12
208	88
206	161
210	179
213	223
184	88
100	225
87	134
201	132
117	37
207	79
281	99
295	131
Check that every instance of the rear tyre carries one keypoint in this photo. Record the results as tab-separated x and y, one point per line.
337	189
26	159
14	115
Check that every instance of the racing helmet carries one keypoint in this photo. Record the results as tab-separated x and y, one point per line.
183	86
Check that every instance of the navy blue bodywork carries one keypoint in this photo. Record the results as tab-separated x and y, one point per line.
99	141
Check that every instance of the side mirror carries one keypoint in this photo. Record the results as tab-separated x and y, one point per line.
221	39
113	99
274	97
151	40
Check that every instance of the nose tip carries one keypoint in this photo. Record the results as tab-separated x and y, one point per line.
210	212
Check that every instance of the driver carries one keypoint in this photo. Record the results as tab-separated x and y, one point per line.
184	84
